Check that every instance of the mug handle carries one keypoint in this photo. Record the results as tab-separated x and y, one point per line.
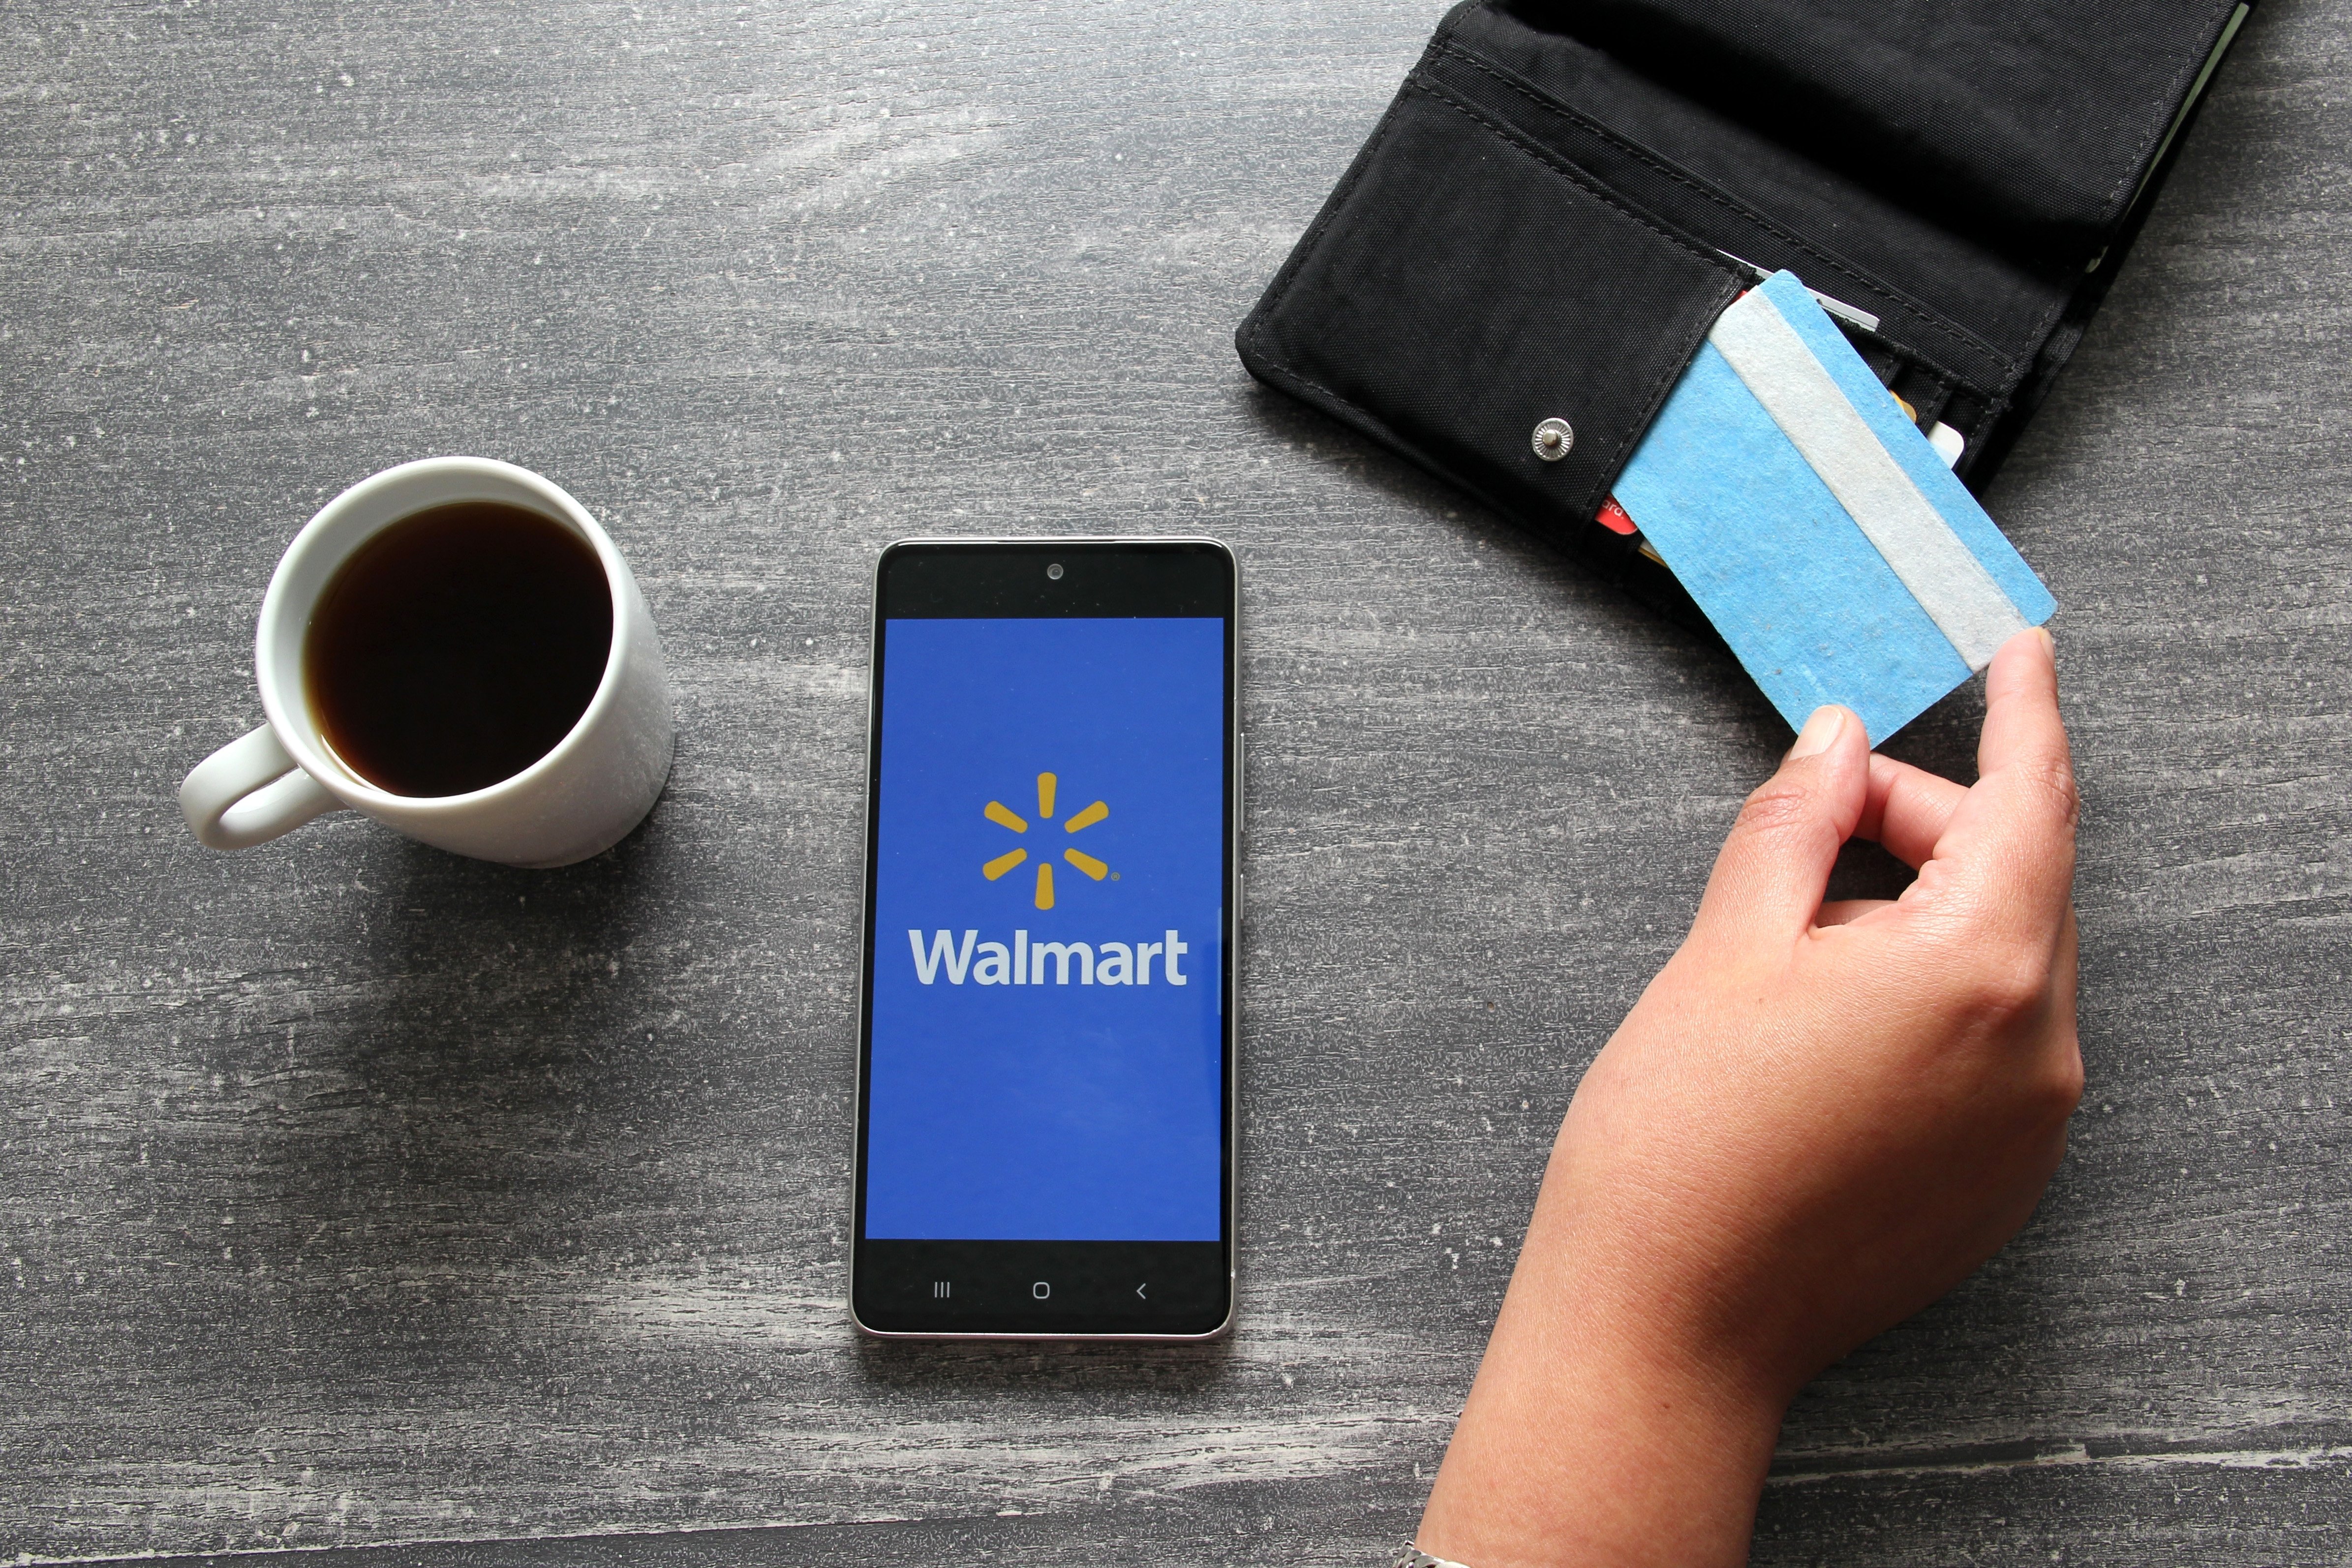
251	792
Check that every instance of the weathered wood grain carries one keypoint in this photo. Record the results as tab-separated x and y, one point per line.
354	1194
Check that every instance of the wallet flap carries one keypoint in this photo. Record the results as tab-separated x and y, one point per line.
1464	286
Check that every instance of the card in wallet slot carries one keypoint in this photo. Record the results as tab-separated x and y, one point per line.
1815	525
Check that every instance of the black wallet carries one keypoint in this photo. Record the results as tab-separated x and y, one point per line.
1564	196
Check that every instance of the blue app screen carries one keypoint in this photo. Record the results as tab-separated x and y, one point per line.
1047	1050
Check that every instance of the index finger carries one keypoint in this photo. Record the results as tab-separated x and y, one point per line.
2013	837
2022	727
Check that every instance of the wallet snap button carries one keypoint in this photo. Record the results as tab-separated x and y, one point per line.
1553	438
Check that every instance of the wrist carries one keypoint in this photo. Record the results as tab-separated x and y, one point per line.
1601	1430
1606	1464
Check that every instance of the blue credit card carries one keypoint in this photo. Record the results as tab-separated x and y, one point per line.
1817	527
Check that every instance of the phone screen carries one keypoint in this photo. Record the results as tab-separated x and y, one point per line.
1044	1130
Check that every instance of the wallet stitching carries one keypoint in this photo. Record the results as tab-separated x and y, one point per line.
2041	329
2180	80
1644	155
1316	232
1544	158
1567	170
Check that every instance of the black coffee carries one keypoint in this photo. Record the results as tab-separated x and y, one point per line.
457	646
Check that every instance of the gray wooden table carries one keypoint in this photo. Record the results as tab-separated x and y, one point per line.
352	1194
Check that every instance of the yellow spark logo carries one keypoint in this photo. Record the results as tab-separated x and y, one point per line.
1004	815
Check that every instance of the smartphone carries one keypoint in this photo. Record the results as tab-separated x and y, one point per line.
1046	1028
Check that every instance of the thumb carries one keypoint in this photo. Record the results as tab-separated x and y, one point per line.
1775	864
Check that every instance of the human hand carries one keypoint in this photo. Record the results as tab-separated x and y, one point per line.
1817	1119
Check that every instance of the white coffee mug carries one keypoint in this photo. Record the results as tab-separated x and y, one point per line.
581	798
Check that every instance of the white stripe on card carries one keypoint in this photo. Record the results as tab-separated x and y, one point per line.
1950	583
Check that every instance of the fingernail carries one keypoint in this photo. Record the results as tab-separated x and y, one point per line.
2048	641
1821	732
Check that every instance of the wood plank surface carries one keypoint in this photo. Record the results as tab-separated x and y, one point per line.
352	1194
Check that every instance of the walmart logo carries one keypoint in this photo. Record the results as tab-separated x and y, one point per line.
1024	963
1004	815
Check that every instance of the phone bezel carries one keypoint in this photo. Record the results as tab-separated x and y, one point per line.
998	547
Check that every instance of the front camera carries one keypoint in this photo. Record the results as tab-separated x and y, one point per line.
1055	572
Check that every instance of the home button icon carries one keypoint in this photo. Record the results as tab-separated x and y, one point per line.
1041	1290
